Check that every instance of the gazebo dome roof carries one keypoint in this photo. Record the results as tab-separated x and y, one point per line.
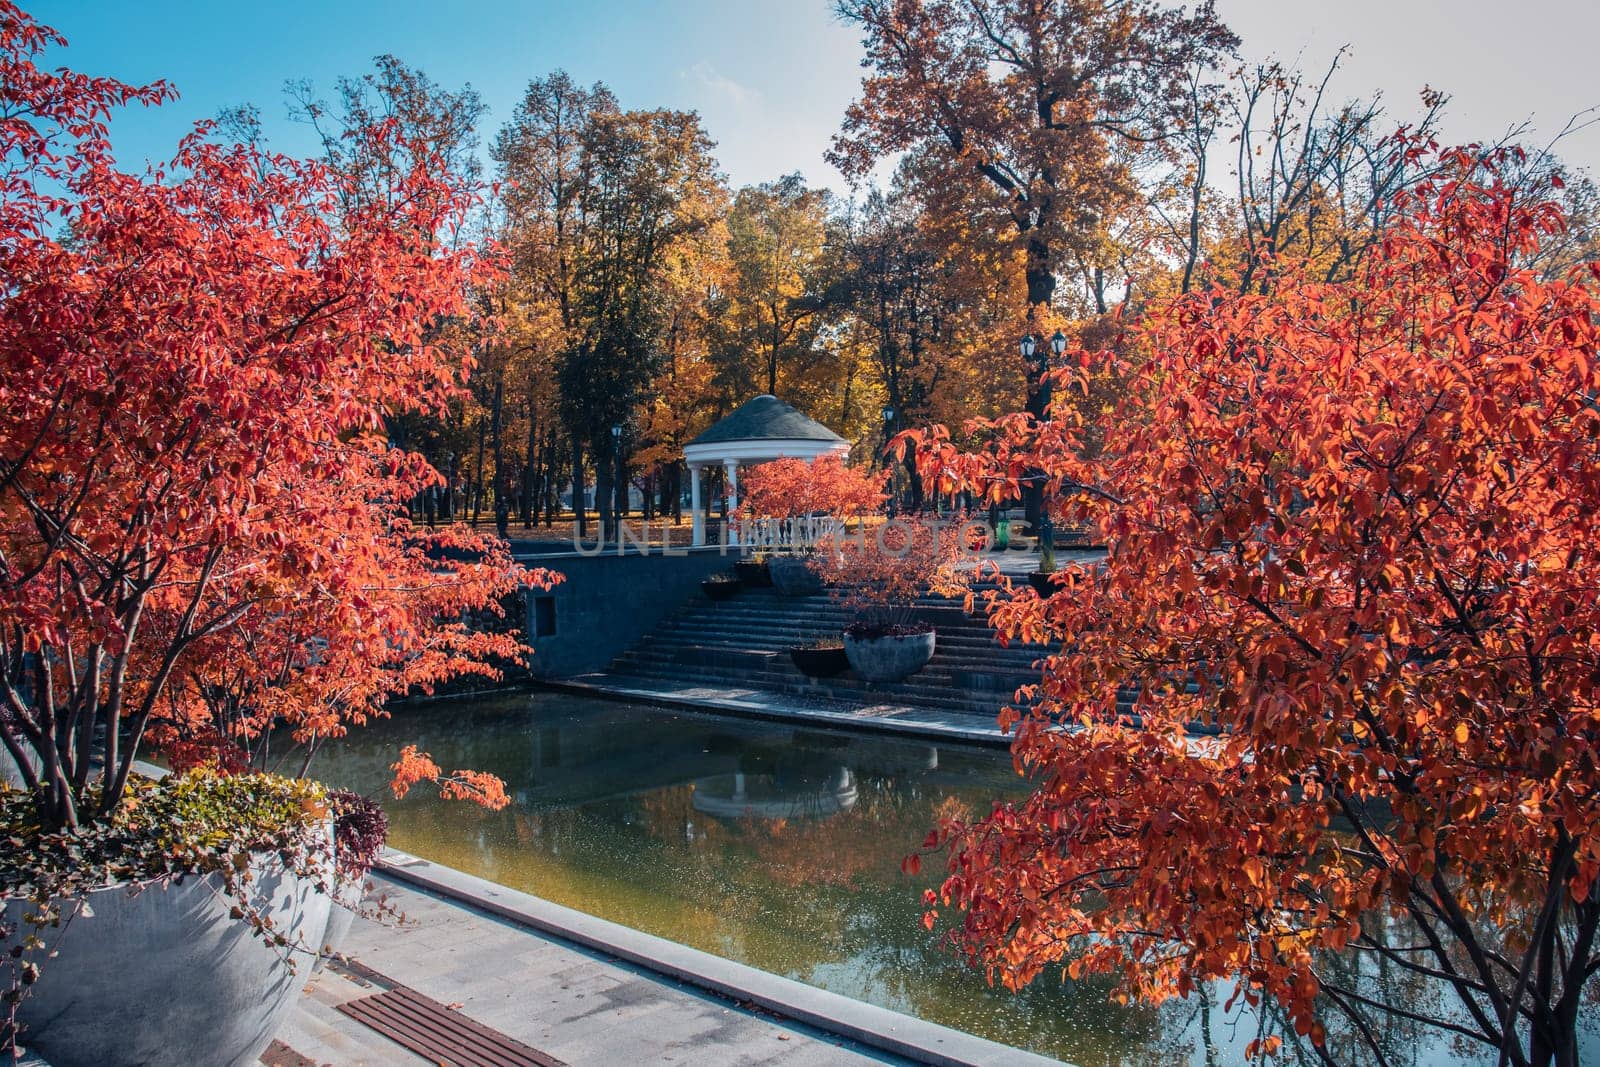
766	418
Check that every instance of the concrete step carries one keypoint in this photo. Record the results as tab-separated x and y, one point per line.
965	627
932	682
936	676
835	689
942	662
743	642
720	656
782	640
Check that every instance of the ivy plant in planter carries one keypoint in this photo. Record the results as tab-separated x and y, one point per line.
201	549
360	829
167	932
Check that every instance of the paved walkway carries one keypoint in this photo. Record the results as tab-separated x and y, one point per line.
577	1006
781	707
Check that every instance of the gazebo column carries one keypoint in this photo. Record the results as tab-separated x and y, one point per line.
697	517
731	466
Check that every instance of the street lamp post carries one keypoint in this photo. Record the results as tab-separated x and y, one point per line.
888	432
1031	494
619	495
1047	530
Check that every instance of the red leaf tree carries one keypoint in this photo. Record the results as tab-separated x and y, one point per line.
201	520
791	488
1352	534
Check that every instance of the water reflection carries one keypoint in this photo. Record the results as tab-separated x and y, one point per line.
776	846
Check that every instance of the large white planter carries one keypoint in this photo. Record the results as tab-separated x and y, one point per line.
164	976
889	659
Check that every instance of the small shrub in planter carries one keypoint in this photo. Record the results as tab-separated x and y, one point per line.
879	575
820	659
721	586
753	573
794	576
888	654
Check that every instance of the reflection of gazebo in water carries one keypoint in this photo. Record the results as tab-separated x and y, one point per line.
774	796
759	430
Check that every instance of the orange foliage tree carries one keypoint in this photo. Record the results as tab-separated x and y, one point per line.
196	497
1352	533
791	488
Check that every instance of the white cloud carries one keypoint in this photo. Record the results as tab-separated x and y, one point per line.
707	76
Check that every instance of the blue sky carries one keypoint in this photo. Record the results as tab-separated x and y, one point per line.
771	78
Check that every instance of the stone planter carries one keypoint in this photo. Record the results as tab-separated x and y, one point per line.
820	662
889	658
753	573
347	895
792	577
163	975
1043	582
720	588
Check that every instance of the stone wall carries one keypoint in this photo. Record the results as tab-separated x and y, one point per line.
608	602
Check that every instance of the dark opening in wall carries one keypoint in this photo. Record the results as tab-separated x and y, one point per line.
544	616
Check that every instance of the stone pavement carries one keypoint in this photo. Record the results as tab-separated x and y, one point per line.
573	1004
782	707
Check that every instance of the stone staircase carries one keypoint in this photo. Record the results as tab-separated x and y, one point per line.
743	643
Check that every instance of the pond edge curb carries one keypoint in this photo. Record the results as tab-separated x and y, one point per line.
833	1013
987	736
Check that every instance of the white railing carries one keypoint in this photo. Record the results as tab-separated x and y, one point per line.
786	535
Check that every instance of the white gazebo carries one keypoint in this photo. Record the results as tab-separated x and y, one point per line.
759	430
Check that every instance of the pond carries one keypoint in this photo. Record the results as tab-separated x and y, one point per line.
774	845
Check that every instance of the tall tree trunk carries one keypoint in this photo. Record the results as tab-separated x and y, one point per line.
502	477
1197	188
772	356
1041	281
1041	278
531	473
552	482
447	494
579	513
913	484
604	505
477	482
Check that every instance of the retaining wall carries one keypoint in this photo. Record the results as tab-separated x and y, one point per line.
608	602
